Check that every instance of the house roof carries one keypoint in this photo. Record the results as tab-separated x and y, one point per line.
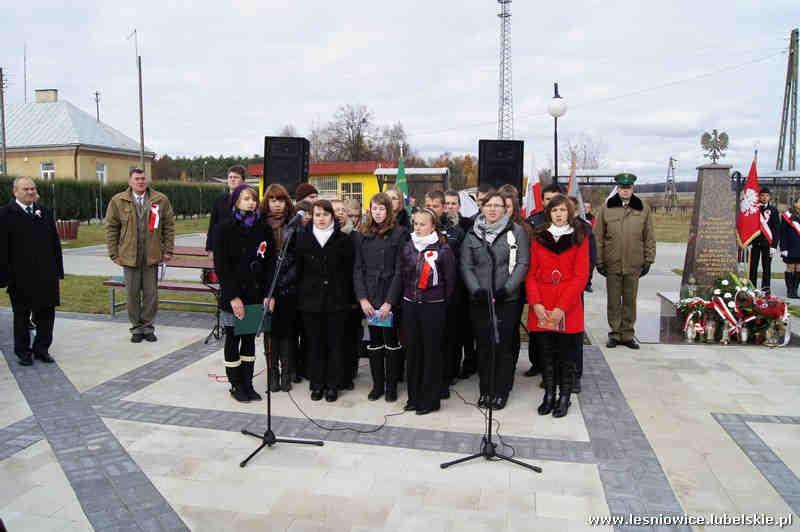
331	167
58	124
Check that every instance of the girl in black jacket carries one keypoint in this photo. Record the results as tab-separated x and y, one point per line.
790	248
377	287
324	258
244	259
281	344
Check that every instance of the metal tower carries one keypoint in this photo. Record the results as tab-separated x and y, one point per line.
505	108
670	190
789	114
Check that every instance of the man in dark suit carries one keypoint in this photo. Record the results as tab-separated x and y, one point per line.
765	245
221	210
30	267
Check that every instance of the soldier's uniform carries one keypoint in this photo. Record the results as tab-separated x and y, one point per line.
626	247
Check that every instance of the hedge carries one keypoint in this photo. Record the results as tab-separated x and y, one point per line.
81	200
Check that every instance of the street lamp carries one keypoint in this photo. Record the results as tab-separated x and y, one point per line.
557	107
204	170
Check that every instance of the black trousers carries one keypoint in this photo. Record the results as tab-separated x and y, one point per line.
756	253
465	338
325	332
351	344
44	319
238	350
452	347
558	355
504	360
423	330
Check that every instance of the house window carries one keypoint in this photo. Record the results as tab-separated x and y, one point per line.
48	169
100	172
353	191
328	186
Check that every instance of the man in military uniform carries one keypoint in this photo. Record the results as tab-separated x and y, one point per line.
626	248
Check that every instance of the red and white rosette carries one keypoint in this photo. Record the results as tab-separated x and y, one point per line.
154	217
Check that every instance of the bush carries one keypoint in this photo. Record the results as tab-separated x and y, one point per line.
81	200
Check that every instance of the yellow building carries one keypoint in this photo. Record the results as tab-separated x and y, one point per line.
360	180
50	139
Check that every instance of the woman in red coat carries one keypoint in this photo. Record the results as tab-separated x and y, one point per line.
556	279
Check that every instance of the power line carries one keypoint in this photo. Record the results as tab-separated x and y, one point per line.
543	114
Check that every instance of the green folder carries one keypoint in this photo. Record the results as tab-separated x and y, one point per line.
251	321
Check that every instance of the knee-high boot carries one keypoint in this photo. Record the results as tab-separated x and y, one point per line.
792	280
547	366
233	367
287	364
566	382
247	367
392	371
273	377
377	369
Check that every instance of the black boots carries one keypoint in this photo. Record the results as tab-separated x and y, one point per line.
238	391
248	364
378	371
549	384
393	370
792	280
287	367
565	388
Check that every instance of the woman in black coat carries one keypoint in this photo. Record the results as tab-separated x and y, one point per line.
282	341
324	258
244	259
377	288
790	248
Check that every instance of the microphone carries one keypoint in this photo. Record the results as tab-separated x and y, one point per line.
296	218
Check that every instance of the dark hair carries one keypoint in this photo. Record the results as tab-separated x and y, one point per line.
278	192
435	195
509	192
429	212
325	205
453	194
508	189
238	169
572	218
485	188
552	187
370	225
764	190
493	194
135	170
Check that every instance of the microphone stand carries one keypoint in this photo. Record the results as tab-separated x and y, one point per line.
488	447
268	439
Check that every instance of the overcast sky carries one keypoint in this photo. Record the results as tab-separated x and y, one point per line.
644	78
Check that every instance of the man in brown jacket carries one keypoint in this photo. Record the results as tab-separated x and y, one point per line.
140	234
626	248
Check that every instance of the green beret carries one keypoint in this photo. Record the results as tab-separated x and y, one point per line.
625	179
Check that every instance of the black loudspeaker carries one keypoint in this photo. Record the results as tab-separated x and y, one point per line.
500	163
286	161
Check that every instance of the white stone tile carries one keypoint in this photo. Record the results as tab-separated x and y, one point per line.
13	406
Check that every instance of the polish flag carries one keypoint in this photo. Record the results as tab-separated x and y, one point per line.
748	219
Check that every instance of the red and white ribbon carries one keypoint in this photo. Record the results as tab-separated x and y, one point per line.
154	217
787	217
429	276
725	313
763	220
262	249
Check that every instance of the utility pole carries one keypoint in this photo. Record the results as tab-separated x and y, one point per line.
789	112
3	120
97	103
25	69
505	108
135	35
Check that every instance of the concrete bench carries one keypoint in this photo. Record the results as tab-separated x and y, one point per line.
194	288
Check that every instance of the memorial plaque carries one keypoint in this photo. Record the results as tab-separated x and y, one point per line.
711	248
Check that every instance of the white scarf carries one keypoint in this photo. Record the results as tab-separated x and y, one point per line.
421	242
322	235
558	232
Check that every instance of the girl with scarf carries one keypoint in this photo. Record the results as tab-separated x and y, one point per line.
496	251
555	283
244	259
377	286
280	345
790	248
428	279
324	258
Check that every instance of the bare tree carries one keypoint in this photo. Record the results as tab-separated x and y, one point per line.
393	138
318	140
589	152
350	135
288	131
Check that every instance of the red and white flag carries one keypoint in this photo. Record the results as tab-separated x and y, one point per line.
154	217
532	202
748	219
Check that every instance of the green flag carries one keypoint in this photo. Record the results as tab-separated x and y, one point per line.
401	182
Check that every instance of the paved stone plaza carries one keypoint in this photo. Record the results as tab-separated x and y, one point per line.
120	436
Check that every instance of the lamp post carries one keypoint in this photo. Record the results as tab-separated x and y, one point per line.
556	108
204	170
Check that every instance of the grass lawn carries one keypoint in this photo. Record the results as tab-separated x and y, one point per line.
671	227
93	234
86	293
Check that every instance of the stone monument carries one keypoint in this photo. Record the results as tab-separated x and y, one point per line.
711	251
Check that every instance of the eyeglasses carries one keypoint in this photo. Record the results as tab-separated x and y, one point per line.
494	206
